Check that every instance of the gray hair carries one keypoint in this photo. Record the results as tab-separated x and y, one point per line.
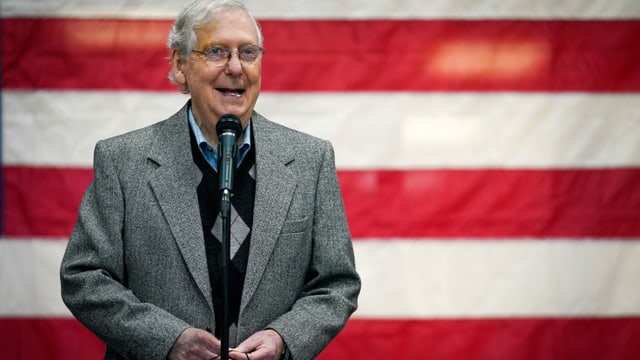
198	13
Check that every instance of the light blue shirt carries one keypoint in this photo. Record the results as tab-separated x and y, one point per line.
210	152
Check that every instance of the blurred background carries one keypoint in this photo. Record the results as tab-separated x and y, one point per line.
488	153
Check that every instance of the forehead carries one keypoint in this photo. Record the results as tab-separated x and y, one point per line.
229	26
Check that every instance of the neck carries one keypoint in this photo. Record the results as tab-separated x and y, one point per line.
209	131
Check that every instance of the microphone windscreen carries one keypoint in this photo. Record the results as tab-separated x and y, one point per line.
229	122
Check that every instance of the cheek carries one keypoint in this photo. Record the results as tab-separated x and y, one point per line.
201	73
257	74
255	80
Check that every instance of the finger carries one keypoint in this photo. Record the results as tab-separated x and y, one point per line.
209	341
252	343
238	355
240	351
246	346
197	344
255	354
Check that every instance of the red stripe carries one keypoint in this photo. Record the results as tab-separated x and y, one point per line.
523	339
383	204
490	339
325	55
47	338
42	201
493	203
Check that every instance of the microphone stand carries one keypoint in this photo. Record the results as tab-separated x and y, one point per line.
225	215
228	128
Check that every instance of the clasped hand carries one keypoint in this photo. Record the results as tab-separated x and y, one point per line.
198	344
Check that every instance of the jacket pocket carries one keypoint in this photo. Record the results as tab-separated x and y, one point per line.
295	226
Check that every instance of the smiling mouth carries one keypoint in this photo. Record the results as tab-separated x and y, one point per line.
231	92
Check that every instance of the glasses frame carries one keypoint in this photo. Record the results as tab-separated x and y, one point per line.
205	53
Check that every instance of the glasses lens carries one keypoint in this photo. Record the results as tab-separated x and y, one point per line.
217	54
249	53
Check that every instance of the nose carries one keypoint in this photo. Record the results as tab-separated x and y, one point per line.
234	66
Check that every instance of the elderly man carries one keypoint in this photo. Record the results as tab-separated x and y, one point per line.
142	267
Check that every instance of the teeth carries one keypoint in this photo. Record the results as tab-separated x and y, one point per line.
232	92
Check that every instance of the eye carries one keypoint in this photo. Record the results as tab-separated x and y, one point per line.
217	52
249	52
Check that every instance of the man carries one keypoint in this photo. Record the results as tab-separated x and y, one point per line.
142	267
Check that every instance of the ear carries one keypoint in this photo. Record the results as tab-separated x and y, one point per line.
176	67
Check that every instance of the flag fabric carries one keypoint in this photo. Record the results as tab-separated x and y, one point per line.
488	153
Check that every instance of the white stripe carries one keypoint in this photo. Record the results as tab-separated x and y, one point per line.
29	282
456	278
355	9
414	278
368	130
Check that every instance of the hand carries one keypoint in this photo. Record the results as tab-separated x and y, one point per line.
195	344
263	345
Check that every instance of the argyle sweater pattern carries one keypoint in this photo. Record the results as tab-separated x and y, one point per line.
241	223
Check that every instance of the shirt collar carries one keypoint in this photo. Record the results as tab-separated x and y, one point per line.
210	152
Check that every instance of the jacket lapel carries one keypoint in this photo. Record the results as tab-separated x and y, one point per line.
275	185
175	185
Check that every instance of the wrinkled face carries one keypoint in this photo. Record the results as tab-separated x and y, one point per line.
217	90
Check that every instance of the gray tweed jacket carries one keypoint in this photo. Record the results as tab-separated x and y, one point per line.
135	273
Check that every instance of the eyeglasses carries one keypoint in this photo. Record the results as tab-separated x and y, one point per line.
220	55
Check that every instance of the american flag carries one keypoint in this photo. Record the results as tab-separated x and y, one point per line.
488	153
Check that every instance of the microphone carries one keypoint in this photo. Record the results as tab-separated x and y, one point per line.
228	129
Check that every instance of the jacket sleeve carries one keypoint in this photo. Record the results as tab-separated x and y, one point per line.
93	274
